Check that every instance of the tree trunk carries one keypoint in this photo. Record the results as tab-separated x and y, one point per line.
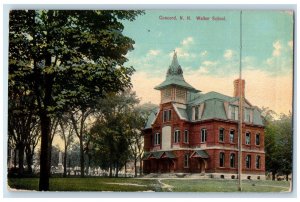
15	157
21	149
29	157
273	175
140	165
44	157
110	169
117	170
125	168
81	157
287	177
135	170
49	159
65	162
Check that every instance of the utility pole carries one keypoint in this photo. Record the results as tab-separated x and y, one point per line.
240	125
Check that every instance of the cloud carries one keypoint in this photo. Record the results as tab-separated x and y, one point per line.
291	44
228	54
277	49
209	63
187	41
153	52
203	53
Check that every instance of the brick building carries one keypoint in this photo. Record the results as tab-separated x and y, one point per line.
193	132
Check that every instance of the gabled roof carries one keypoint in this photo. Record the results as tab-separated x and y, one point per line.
200	154
158	155
175	77
151	118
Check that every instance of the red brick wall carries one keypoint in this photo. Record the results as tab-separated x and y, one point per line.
212	127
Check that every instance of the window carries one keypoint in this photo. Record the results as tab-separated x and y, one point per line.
257	139
196	113
186	160
221	134
177	136
257	162
203	135
247	115
248	161
231	136
157	138
247	138
232	160
233	111
222	159
167	115
180	94
186	136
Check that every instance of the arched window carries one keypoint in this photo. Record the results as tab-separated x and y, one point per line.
231	136
257	139
221	134
232	160
248	138
222	159
203	135
177	136
248	161
257	162
186	136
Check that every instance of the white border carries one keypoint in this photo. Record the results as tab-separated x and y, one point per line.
161	4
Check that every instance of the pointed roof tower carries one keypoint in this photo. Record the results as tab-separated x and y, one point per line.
175	77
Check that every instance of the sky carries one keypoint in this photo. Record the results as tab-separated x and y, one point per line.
209	53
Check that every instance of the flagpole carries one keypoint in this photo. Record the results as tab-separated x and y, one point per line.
240	125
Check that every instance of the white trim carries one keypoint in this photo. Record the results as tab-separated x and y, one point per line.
176	110
211	148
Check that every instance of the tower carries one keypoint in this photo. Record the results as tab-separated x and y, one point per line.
175	88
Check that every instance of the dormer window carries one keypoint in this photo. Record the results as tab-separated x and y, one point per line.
233	112
247	115
196	113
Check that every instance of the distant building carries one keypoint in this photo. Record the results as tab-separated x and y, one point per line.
192	132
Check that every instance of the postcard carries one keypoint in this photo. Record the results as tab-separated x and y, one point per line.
150	100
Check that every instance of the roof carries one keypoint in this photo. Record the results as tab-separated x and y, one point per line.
213	108
158	155
175	77
151	118
200	154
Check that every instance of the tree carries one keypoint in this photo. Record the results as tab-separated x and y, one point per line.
278	144
78	119
109	133
69	59
21	122
30	146
67	134
285	141
136	122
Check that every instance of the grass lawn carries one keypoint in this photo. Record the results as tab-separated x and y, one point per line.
162	185
208	185
88	184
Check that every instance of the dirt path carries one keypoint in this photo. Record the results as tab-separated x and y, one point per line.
127	184
165	186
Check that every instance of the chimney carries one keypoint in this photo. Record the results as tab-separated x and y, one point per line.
237	84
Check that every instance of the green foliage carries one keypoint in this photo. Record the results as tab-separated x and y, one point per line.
112	131
67	59
279	145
